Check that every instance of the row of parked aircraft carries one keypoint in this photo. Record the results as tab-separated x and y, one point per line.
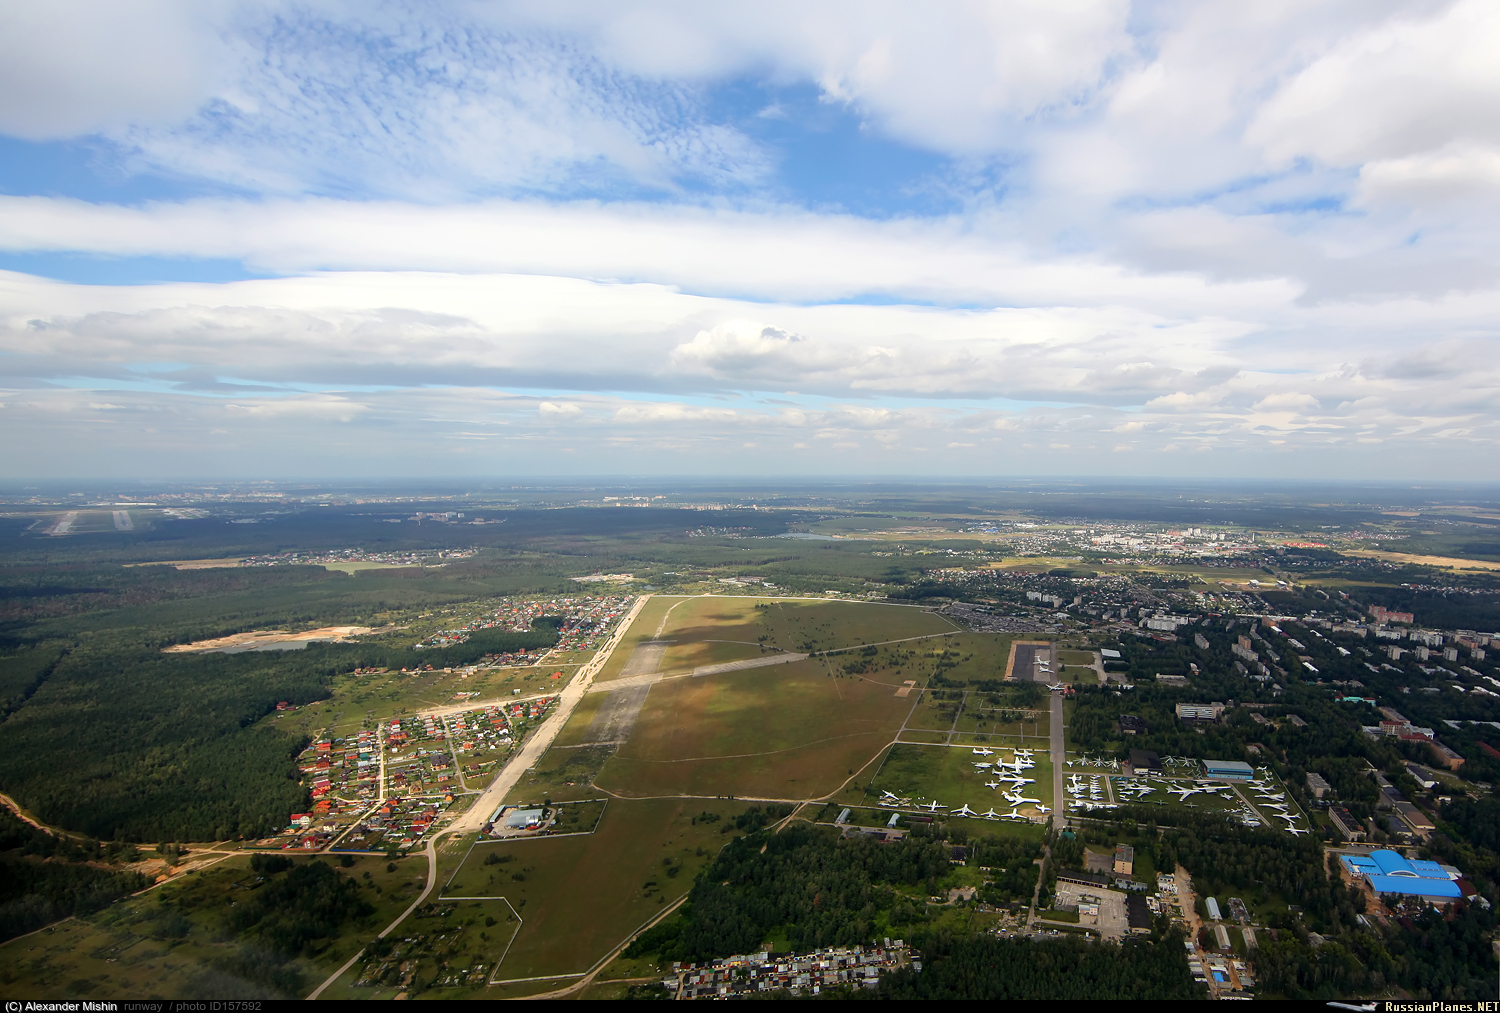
890	798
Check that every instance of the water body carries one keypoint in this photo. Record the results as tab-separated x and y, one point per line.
280	645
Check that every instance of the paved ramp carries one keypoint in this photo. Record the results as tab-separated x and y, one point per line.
644	660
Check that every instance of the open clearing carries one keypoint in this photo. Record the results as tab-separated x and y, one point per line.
264	640
788	731
947	775
581	896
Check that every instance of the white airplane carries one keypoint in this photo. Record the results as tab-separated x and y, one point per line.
1014	814
1015	779
931	807
978	751
965	811
1057	687
983	766
1068	762
1184	793
990	814
1042	809
1019	799
889	795
1295	830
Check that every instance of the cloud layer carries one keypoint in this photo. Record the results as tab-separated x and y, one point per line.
1244	238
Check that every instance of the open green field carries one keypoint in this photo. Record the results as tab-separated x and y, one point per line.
579	897
947	775
782	732
169	942
564	773
980	716
575	731
712	629
813	626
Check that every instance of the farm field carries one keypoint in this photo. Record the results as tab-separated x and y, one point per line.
580	896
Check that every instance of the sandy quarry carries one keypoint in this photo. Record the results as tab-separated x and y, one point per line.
260	638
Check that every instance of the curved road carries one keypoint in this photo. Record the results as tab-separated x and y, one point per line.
432	870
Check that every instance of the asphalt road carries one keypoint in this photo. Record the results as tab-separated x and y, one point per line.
1059	806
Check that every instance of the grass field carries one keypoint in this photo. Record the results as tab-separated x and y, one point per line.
575	730
948	775
563	774
579	897
132	949
976	717
813	626
787	731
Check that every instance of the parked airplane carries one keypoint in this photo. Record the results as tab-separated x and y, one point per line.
1296	831
931	806
980	751
990	814
992	785
965	811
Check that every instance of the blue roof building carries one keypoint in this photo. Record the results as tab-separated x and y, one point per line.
1388	874
1228	770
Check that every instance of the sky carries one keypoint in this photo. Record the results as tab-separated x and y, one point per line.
1061	237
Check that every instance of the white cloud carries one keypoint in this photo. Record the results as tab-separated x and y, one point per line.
70	67
1415	82
1184	226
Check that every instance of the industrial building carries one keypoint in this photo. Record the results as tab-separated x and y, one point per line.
1228	770
1388	874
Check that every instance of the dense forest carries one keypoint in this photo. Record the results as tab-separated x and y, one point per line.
984	967
810	886
43	878
117	739
292	910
